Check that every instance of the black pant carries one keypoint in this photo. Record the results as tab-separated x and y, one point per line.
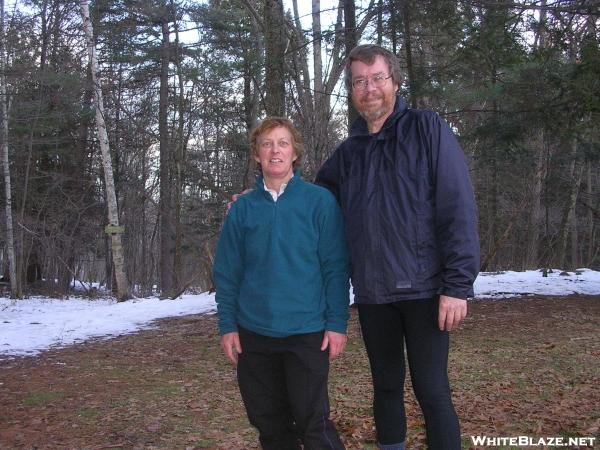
385	329
283	382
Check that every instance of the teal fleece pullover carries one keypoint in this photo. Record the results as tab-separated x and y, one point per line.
281	268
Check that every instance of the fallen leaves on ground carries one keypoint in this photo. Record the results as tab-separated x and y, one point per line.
517	367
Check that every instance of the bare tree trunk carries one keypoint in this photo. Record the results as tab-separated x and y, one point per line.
540	34
575	172
167	232
251	94
148	257
573	216
15	291
350	41
251	118
575	238
539	151
113	229
315	110
301	76
592	248
178	160
380	23
317	60
275	44
23	257
321	98
492	209
497	245
535	216
393	26
410	71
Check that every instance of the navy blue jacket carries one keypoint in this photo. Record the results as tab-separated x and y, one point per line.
409	208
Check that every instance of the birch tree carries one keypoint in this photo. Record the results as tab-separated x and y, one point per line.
111	198
15	291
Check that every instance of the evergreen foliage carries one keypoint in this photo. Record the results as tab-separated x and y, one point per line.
518	82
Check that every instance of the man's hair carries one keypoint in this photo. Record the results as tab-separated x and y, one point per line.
367	54
269	124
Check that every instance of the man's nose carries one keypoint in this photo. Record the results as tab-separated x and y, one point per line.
370	85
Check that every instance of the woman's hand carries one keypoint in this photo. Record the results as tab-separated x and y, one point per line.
336	343
235	197
230	343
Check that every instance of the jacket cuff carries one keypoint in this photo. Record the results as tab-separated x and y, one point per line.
224	329
336	326
463	294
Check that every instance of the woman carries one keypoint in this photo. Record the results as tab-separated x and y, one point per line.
281	272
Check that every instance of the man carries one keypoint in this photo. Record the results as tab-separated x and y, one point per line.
411	226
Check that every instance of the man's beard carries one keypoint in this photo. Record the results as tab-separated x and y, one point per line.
373	114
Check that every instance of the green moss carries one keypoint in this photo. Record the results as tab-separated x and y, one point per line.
41	398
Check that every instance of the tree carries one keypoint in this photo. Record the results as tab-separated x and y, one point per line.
313	109
275	45
351	41
167	225
517	82
15	290
113	228
539	148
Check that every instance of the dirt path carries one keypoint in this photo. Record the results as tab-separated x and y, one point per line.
518	367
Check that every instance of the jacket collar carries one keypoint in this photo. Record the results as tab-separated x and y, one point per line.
260	181
360	128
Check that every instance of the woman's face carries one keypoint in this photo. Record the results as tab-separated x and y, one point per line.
276	154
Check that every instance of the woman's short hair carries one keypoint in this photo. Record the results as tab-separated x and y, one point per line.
269	124
367	54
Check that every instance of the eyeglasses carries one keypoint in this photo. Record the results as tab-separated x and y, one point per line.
378	81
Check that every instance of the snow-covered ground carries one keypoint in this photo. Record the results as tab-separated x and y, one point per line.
515	284
35	324
32	325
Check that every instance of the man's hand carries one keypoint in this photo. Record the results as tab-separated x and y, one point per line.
234	198
336	343
451	312
230	343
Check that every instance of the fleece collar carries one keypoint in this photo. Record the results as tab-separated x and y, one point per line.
260	181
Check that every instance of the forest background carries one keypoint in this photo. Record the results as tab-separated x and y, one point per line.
183	82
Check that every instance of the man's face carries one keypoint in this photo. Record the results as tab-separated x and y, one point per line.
372	102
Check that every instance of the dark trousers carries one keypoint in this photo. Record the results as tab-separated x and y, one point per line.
283	382
385	329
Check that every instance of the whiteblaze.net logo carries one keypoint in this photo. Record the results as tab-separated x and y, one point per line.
528	441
